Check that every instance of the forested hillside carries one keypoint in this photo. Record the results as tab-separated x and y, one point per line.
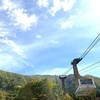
10	83
9	80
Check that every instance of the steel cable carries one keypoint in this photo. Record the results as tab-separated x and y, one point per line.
89	66
91	46
68	70
86	52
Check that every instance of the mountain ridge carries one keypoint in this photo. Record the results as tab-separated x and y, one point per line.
9	80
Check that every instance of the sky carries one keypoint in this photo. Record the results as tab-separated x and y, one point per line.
42	37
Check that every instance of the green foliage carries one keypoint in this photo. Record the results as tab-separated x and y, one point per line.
34	98
2	95
70	84
67	97
40	89
25	93
90	97
98	93
47	87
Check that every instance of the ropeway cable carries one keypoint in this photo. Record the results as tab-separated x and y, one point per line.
87	51
83	70
68	70
91	46
89	66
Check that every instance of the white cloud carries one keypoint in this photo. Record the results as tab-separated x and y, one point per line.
21	18
57	71
54	42
33	66
62	71
18	15
43	3
10	64
0	29
8	5
66	5
44	42
14	47
56	7
66	24
72	17
38	36
87	14
69	22
0	50
3	31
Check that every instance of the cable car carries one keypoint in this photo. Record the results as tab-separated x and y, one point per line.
86	87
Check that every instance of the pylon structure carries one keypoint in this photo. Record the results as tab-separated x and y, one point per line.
62	78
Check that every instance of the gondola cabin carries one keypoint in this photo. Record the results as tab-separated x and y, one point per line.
86	87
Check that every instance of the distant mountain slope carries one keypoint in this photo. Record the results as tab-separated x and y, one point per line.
9	80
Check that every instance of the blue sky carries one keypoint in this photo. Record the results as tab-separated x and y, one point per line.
44	36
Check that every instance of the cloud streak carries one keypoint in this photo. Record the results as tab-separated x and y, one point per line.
13	46
83	15
57	71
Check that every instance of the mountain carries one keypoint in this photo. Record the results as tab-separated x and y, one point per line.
8	80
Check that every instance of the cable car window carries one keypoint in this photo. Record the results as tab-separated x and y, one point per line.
86	81
83	81
89	81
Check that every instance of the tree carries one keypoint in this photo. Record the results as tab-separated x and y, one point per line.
25	93
39	89
88	97
68	97
2	95
97	93
73	95
43	88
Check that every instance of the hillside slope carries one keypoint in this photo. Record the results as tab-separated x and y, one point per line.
9	80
